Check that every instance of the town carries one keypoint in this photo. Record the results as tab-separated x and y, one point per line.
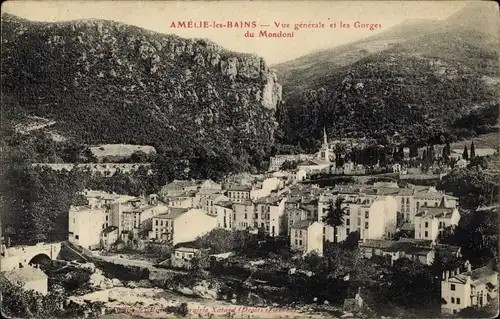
332	161
192	224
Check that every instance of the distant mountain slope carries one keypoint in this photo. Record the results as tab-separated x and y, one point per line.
106	82
410	83
306	68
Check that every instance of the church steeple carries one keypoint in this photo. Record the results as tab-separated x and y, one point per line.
325	140
324	152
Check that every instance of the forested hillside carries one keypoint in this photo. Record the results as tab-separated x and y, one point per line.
106	82
412	83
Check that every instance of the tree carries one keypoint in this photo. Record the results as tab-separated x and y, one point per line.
288	165
465	154
19	303
472	151
139	157
413	151
446	151
335	216
401	152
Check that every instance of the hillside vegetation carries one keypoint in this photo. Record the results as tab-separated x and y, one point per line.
409	84
106	82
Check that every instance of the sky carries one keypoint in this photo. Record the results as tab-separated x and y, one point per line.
159	15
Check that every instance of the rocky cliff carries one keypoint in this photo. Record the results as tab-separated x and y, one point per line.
106	82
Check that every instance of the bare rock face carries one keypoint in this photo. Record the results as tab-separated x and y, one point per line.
229	67
271	94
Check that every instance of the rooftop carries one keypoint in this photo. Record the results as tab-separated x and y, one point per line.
246	202
417	242
395	191
173	213
225	203
268	200
239	188
434	196
419	251
377	243
185	245
109	229
476	275
302	224
436	212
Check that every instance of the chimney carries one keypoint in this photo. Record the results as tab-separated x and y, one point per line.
458	271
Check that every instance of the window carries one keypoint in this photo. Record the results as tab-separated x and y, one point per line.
156	222
300	233
366	214
426	224
77	237
106	218
256	216
366	225
246	216
300	242
347	222
296	242
418	205
435	204
347	231
426	234
452	287
458	301
359	221
425	203
452	300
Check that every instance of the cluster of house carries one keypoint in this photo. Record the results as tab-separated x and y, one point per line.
324	160
273	204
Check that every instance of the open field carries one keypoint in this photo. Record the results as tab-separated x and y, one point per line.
490	140
120	150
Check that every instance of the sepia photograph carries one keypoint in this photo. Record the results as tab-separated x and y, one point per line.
249	159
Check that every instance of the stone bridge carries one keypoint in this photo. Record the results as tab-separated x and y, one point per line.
21	256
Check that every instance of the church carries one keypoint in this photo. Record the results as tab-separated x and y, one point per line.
323	161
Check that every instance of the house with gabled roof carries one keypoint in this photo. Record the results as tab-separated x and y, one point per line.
431	221
462	288
182	225
306	236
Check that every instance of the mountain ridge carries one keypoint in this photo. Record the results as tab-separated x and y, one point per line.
108	82
403	71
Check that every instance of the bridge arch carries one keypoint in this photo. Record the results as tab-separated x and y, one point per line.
40	258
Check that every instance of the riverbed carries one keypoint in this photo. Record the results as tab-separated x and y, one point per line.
154	302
